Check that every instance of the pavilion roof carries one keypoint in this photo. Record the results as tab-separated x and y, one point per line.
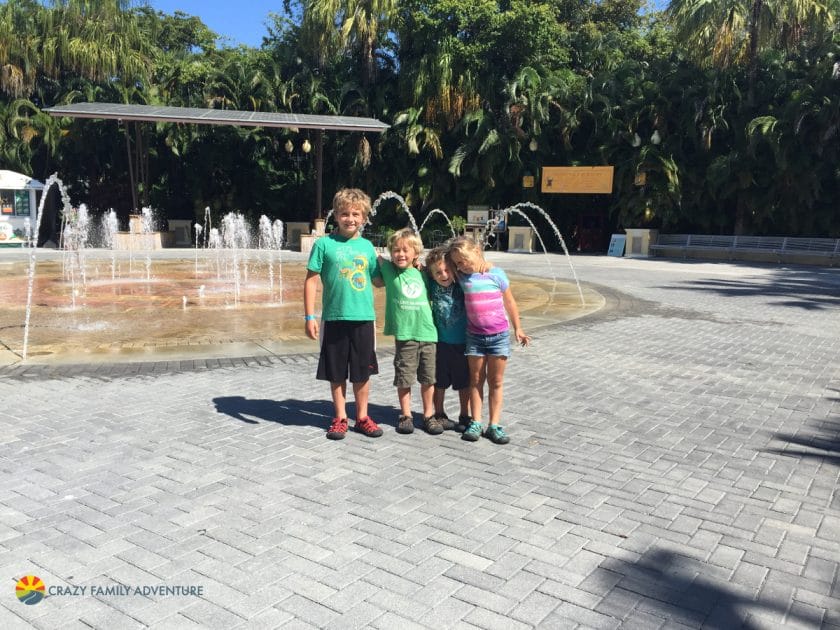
203	116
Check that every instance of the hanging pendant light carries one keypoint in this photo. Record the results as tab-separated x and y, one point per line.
306	147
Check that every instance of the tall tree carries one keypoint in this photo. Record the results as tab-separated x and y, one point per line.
730	32
362	26
20	46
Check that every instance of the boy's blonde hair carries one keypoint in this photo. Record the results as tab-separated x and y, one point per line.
352	198
409	235
464	245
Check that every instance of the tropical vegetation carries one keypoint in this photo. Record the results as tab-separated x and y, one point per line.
719	116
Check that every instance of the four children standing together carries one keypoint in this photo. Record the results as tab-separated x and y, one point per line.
451	324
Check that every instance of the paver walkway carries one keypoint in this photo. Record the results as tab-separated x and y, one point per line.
674	463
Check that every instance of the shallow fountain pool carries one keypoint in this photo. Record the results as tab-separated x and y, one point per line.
192	307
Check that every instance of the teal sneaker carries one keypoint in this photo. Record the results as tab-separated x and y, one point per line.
496	434
472	432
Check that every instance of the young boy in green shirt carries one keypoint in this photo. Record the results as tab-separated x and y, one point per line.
347	266
408	317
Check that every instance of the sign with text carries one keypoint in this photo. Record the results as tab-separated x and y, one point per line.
617	243
478	214
577	179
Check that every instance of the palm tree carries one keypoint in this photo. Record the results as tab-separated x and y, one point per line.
417	155
360	25
731	32
34	129
20	43
96	39
488	155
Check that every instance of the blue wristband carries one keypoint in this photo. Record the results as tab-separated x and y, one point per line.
308	318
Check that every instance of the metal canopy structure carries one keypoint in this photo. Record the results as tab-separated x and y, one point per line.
202	116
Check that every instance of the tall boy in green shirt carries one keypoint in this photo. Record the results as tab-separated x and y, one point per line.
346	265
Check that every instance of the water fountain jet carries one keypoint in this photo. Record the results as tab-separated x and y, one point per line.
192	304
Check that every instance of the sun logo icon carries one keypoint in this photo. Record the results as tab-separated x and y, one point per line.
30	589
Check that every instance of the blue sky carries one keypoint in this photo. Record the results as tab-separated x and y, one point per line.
243	21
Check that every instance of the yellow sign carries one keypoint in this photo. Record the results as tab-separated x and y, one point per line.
527	181
577	179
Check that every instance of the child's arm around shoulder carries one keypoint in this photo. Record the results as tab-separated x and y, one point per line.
377	280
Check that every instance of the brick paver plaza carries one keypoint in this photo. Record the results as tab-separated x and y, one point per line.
674	463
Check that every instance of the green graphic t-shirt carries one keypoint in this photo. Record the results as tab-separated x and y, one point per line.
346	267
408	315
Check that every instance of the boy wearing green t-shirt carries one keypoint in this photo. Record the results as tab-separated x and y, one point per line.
346	265
408	317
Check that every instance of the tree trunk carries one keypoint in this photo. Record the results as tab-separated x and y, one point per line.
319	173
752	62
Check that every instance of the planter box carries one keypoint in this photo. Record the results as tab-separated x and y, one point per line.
639	241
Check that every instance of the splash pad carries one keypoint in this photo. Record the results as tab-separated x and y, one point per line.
225	299
185	310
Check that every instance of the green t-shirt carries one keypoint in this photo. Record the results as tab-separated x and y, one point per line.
408	315
346	267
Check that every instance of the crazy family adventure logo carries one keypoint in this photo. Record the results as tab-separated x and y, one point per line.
30	590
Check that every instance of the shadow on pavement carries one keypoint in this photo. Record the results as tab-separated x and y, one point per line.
671	586
315	413
808	289
825	442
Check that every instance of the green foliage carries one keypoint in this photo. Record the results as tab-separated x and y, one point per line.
459	223
477	93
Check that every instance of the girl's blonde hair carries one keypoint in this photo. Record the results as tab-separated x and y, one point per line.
408	235
465	246
352	198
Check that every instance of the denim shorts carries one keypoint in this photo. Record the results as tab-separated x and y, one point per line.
496	345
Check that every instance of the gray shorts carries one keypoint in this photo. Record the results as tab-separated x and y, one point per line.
414	361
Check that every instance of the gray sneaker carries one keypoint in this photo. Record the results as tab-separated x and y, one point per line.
445	422
405	424
432	425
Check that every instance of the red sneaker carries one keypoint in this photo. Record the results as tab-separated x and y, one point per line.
367	426
337	429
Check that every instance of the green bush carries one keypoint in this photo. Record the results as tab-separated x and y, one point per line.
459	224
